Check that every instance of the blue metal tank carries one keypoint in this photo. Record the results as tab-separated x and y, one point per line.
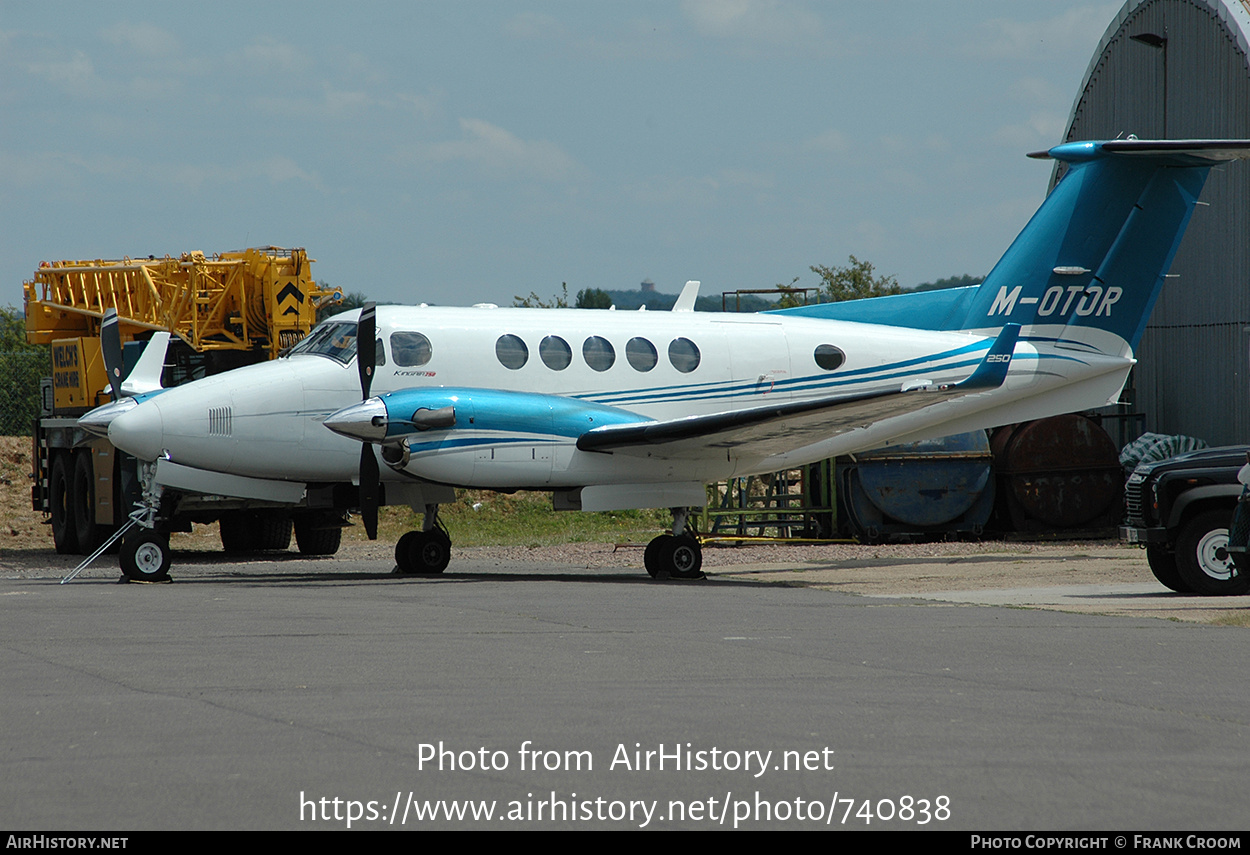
933	486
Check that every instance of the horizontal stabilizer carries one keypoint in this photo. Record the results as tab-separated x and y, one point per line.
1165	152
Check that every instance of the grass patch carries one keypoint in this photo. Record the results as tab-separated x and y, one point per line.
1232	619
523	519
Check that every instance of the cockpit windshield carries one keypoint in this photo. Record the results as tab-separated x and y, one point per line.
335	340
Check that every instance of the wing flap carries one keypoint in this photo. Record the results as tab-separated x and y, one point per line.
786	426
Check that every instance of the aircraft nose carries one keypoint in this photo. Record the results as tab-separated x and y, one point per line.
140	431
365	421
97	421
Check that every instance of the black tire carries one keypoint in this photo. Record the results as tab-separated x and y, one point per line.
61	494
271	531
651	557
672	557
237	534
1203	560
1163	566
403	552
82	498
317	535
145	556
684	557
425	552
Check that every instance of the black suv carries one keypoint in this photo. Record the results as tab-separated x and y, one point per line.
1179	509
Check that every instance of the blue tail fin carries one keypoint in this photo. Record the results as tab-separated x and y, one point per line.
1089	265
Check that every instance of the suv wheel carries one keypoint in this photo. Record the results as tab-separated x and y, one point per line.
1163	565
1202	557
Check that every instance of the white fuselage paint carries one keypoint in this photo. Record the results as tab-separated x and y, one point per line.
274	427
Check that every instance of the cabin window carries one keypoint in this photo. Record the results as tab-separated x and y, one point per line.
335	340
379	353
555	352
410	349
684	354
598	353
641	354
829	357
511	351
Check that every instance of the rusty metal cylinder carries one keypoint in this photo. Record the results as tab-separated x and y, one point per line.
1060	472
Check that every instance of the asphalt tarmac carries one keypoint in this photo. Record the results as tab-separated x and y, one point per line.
321	694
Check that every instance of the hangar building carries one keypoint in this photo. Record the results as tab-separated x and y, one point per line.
1179	69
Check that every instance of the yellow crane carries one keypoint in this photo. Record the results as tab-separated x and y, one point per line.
222	311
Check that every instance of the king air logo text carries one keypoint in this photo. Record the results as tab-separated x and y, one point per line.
1060	301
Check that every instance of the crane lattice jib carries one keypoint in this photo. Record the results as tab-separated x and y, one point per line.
256	299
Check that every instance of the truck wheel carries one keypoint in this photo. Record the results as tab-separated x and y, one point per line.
83	500
272	530
317	534
61	487
1163	565
1202	557
237	534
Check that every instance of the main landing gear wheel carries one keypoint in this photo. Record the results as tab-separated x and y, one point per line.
1203	560
145	556
674	557
423	552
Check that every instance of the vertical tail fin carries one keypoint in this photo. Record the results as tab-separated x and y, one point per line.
1089	265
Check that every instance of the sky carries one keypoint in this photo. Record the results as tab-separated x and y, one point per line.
466	152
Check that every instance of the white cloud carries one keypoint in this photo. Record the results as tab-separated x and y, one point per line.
1041	129
143	39
497	151
70	169
74	74
268	56
1020	39
831	141
771	21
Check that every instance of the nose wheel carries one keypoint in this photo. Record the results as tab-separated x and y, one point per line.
145	556
675	556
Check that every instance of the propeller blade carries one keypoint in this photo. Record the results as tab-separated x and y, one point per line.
366	347
369	490
111	350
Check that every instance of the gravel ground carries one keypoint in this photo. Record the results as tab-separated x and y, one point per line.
1099	577
1018	569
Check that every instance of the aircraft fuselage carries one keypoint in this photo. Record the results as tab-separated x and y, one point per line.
266	421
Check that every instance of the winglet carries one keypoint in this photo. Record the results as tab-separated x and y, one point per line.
992	371
146	375
685	301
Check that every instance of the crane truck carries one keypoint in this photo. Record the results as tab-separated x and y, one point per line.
222	311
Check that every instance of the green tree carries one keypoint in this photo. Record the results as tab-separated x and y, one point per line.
593	298
789	296
21	366
950	282
854	282
533	301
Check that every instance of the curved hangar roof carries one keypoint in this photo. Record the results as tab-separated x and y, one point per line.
1178	69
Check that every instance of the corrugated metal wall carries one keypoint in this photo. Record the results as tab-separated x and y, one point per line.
1194	371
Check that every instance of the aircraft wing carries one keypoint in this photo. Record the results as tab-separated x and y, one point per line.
782	427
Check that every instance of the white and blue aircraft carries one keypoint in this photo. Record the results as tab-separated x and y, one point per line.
612	410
